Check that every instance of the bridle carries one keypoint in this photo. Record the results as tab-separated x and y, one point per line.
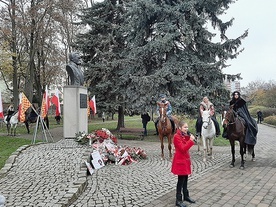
163	115
233	115
208	122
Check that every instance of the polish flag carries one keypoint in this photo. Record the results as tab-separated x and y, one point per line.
45	103
92	104
1	108
55	101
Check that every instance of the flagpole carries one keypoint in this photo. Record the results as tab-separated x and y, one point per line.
43	125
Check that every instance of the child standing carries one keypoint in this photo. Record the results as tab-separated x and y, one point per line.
181	164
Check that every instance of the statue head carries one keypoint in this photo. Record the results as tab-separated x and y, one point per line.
75	58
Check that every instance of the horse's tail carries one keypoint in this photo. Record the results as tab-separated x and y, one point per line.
250	148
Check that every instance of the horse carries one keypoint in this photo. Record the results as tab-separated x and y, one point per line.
165	128
236	131
12	124
208	133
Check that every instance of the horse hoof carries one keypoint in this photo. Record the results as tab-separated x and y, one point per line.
242	167
204	159
253	159
231	166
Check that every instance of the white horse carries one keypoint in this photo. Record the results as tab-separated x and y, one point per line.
12	124
208	133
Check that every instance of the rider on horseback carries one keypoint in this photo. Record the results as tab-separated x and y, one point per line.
206	105
239	106
169	112
10	112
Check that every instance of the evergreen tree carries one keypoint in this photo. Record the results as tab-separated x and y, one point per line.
136	50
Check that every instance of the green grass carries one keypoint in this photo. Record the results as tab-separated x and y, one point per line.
8	146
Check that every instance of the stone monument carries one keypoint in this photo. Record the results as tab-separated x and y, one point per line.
75	117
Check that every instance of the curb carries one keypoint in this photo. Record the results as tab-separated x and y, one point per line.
77	187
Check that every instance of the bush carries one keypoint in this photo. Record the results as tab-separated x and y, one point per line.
266	111
270	120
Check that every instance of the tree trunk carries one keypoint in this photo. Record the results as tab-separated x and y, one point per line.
14	58
121	118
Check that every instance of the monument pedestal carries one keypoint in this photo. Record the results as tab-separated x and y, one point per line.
75	117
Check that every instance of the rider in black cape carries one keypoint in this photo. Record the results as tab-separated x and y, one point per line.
239	106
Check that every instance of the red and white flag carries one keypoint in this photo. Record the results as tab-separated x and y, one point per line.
92	104
45	104
1	108
24	104
55	101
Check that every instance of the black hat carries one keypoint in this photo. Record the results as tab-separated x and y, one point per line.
162	96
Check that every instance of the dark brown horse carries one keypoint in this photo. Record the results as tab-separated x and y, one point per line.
165	128
236	130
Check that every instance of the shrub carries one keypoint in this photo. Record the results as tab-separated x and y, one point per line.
266	111
270	120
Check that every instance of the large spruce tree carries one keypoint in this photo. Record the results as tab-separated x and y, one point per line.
136	50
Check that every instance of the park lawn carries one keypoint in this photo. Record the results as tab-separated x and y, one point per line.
8	145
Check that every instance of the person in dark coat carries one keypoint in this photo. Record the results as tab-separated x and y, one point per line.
10	112
239	106
145	119
181	164
260	117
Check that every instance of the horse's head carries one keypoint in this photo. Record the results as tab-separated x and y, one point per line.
206	118
162	110
229	117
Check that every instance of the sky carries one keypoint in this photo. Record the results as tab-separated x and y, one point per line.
258	60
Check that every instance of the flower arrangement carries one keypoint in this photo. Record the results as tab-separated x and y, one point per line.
106	143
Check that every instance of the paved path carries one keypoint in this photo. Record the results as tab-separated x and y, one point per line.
54	175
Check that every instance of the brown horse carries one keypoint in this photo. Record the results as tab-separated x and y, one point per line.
165	128
236	132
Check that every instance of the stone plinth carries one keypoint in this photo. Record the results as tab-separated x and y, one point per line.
75	117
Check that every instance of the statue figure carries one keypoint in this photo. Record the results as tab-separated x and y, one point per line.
74	72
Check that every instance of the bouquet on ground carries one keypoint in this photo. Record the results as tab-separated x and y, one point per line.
105	143
98	135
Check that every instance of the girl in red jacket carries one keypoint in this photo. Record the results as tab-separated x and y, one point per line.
181	164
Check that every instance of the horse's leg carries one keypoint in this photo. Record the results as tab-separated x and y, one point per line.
242	146
251	151
8	128
232	143
211	142
27	126
198	143
170	145
162	145
204	148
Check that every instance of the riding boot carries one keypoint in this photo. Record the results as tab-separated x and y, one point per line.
224	133
187	197
216	126
173	125
179	201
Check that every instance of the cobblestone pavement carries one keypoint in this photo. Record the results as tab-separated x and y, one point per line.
54	175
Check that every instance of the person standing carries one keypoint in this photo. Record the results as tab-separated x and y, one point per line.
203	106
181	165
260	117
145	119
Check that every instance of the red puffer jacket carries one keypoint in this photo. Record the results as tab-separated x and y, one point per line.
181	164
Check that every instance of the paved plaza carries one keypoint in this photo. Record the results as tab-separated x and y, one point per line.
54	175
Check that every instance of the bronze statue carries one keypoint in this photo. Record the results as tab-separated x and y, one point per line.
74	72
